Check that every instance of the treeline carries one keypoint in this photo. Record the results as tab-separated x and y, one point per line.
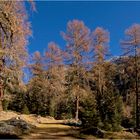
82	81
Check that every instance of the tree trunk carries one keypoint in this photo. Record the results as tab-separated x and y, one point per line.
77	109
1	66
1	96
137	92
1	107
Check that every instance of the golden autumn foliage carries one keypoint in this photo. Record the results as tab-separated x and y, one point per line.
14	33
78	81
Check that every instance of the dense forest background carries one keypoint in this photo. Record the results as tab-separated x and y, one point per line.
83	81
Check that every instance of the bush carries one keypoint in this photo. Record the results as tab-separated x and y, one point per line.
25	110
66	116
116	127
107	126
5	104
128	122
87	113
17	103
94	131
103	112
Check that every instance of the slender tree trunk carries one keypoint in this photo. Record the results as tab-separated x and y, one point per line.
1	66
136	88
1	107
1	96
77	109
99	80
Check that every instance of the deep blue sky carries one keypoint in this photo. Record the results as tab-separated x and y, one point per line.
52	17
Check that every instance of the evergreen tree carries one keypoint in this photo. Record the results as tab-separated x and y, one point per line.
37	87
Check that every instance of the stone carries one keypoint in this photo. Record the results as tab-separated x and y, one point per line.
21	124
9	131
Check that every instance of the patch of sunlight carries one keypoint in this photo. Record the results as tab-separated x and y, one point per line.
53	126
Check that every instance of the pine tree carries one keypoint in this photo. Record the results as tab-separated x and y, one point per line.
37	88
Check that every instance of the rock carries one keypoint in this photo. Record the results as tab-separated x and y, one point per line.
21	124
14	127
94	131
2	123
9	131
13	124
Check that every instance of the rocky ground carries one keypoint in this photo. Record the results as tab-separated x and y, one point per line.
15	125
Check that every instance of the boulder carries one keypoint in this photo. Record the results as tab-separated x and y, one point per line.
9	131
20	124
14	127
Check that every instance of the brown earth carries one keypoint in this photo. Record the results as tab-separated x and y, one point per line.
53	131
49	128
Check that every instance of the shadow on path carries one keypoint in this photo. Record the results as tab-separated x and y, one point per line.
53	131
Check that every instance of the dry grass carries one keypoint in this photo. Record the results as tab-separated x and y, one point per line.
49	128
53	125
6	115
53	131
121	135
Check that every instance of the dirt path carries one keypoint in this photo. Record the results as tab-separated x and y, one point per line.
53	131
60	131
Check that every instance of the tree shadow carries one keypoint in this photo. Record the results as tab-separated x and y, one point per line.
54	131
6	136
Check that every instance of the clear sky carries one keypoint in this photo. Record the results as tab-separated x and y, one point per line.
52	17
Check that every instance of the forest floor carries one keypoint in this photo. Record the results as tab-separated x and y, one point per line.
57	130
52	131
49	128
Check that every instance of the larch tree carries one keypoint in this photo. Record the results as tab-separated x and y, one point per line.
37	65
131	46
14	31
104	89
99	49
103	73
55	74
77	43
